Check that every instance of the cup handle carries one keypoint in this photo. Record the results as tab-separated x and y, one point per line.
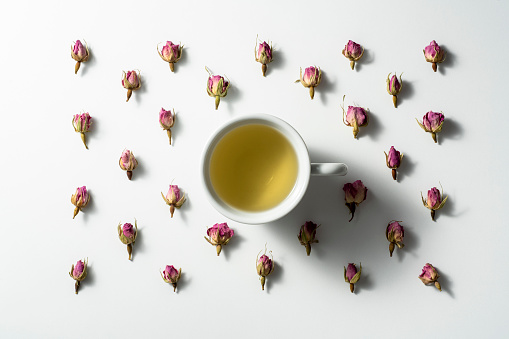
322	169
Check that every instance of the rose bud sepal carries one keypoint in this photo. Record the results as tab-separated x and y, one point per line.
394	87
127	235
351	274
79	53
79	273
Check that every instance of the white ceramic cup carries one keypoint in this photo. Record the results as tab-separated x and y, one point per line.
304	171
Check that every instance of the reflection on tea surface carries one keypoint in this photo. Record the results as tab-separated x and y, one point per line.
253	168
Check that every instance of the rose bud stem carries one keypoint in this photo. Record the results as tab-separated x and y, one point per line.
312	92
391	248
352	64
262	280
76	287
169	134
76	210
308	249
434	136
77	67
433	215
129	93
129	250
434	66
394	173
351	207
395	101
351	285
264	69
84	139
129	174
174	286
172	210
218	249
172	66
437	285
217	101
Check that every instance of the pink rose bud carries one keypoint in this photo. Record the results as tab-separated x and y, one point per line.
352	276
128	162
395	234
219	235
355	193
173	198
355	117
393	160
430	275
434	201
434	53
131	82
217	87
171	53
264	266
263	54
432	123
81	124
353	52
78	273
80	54
127	235
80	199
167	120
312	77
171	275
307	235
394	87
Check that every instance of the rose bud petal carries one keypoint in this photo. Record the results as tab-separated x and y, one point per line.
219	235
307	235
171	53
355	117
351	274
353	52
131	81
173	198
81	124
432	122
171	275
312	77
127	235
79	273
79	53
393	160
80	199
263	54
128	162
217	87
434	201
434	53
355	193
430	275
394	86
167	120
394	233
264	266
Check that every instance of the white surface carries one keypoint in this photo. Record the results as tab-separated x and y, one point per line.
43	161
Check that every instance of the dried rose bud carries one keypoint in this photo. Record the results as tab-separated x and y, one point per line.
171	275
430	275
393	160
81	124
219	235
217	87
78	273
173	198
264	266
127	234
131	82
263	54
434	201
312	77
167	120
434	53
353	52
128	162
394	87
395	234
352	276
79	53
355	193
355	117
432	123
171	53
80	199
307	235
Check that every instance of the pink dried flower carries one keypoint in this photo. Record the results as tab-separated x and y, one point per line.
434	201
171	275
351	274
432	122
430	275
393	160
81	123
217	87
394	86
80	199
311	79
353	52
355	193
79	273
128	162
434	53
171	53
167	120
355	117
263	54
219	235
127	235
307	235
264	266
131	81
173	198
79	53
394	233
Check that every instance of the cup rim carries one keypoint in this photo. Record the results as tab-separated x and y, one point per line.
297	192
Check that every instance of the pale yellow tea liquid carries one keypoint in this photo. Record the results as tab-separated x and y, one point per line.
253	167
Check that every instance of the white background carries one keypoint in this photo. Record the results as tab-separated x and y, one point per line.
44	160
